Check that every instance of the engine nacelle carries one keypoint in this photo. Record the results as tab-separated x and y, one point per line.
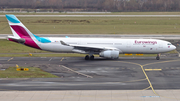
112	54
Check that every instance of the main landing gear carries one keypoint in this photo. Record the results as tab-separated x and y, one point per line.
158	57
87	57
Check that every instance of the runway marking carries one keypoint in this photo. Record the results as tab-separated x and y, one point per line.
160	62
166	68
10	59
142	67
153	69
50	59
147	88
77	72
148	80
143	72
62	59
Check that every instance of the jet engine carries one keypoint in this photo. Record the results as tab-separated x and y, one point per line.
112	54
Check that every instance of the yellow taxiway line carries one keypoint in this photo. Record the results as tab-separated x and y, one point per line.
142	67
62	59
77	72
144	74
152	69
148	80
10	59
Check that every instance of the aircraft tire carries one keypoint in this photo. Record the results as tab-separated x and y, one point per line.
92	57
86	57
157	58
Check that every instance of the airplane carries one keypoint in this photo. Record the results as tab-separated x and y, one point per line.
104	47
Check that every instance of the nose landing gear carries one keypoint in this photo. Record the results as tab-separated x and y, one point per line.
158	57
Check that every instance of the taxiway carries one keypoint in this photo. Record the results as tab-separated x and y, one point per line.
126	73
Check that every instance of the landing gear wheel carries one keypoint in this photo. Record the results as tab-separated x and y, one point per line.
92	57
157	58
86	57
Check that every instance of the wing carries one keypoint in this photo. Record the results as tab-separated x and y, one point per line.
88	49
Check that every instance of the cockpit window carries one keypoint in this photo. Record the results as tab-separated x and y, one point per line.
169	44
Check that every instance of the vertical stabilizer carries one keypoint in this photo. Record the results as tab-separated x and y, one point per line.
17	28
21	32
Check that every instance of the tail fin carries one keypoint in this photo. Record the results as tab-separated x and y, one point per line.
17	28
21	33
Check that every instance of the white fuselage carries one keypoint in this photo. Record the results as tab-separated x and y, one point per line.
147	46
105	47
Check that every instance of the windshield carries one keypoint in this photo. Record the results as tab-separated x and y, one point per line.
169	44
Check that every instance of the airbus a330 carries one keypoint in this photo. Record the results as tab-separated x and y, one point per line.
104	47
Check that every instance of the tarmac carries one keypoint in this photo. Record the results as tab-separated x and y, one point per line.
125	79
128	78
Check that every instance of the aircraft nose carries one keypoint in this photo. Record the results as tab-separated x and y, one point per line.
173	47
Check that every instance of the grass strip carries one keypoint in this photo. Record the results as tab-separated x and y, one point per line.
97	25
33	72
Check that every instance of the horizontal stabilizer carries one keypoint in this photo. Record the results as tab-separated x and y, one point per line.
19	40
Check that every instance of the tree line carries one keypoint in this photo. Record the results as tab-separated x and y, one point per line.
95	5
